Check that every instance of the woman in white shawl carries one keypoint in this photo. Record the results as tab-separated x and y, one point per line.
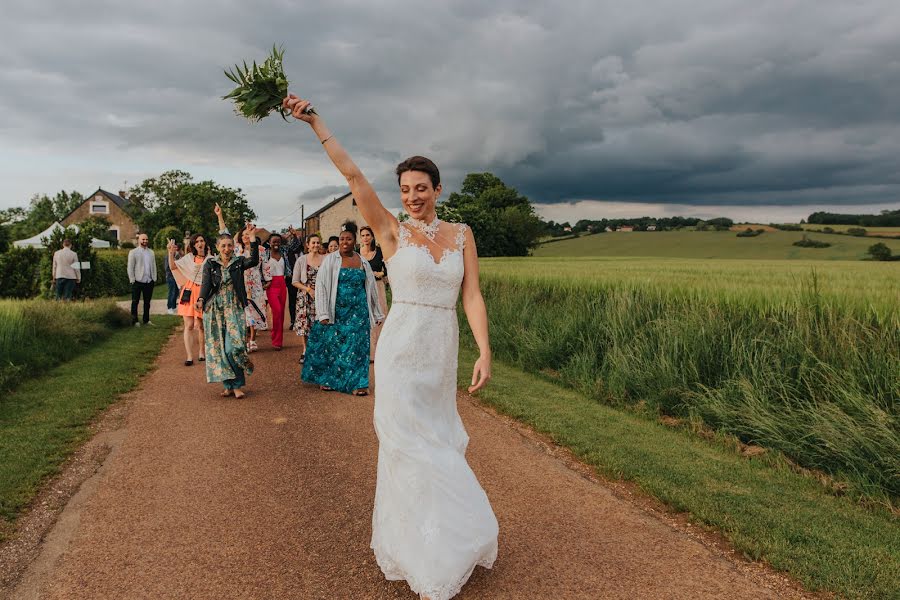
188	273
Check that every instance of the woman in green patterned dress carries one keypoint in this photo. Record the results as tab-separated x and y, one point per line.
337	356
222	300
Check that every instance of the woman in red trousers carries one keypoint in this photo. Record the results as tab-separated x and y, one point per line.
276	272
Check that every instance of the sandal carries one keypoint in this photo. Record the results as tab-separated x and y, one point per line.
326	389
188	362
361	393
202	359
226	393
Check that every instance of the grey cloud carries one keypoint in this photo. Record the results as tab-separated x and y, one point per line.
706	102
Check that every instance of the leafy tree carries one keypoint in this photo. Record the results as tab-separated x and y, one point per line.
502	220
97	226
42	211
174	199
162	237
880	251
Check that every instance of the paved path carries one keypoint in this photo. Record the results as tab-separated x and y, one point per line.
271	497
157	306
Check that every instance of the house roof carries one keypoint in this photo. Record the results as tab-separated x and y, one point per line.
327	206
123	203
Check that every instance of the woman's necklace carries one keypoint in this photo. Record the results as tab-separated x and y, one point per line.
429	230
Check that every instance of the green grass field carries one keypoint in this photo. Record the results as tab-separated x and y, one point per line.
891	231
768	511
776	245
803	358
36	335
46	418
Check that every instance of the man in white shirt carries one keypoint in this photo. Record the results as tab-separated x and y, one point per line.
66	273
142	275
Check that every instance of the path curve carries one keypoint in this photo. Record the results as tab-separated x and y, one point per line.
271	497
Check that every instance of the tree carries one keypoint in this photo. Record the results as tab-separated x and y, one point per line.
174	199
97	226
503	221
42	212
880	251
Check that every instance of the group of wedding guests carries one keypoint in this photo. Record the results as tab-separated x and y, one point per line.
336	298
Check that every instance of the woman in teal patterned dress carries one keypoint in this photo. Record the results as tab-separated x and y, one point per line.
223	299
337	356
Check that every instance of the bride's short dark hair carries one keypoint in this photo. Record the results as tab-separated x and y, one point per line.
420	163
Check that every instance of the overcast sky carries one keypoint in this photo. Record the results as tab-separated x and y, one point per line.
763	110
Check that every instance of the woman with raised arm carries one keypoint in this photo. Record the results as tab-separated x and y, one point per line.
432	523
255	311
222	301
187	272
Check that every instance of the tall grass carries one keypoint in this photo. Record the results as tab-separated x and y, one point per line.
793	366
36	335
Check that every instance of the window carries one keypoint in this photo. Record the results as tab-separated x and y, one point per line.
99	209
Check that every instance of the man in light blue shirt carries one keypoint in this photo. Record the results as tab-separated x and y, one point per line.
142	275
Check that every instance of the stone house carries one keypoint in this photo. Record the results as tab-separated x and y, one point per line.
112	206
327	220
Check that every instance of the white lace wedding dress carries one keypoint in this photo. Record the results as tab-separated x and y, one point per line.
432	523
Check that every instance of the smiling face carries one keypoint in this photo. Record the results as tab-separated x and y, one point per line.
314	244
332	246
418	195
143	240
275	243
225	246
347	242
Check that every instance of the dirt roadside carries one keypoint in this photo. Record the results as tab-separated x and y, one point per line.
271	497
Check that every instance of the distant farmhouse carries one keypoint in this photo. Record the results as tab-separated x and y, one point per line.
625	228
327	220
106	204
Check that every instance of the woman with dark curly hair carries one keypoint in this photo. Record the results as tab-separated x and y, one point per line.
337	356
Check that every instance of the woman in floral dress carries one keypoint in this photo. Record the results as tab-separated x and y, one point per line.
255	311
346	308
222	300
304	279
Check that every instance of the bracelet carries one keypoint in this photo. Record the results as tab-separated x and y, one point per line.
328	138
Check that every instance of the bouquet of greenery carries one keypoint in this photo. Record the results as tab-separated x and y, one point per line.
260	88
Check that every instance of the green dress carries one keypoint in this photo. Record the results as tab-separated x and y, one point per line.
225	329
337	355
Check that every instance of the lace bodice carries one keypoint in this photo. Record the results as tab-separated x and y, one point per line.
417	278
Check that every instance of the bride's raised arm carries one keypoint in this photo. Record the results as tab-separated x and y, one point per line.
373	211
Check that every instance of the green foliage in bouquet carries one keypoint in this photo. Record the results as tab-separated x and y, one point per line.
260	88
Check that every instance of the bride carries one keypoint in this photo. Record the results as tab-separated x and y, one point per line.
432	523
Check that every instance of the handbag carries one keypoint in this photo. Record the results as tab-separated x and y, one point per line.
186	292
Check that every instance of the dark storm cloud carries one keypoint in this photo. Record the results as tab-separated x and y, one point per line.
706	102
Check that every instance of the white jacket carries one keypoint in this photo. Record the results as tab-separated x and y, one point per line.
326	289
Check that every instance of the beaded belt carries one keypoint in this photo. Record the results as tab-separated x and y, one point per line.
424	304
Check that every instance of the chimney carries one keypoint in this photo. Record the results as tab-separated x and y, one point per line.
123	194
